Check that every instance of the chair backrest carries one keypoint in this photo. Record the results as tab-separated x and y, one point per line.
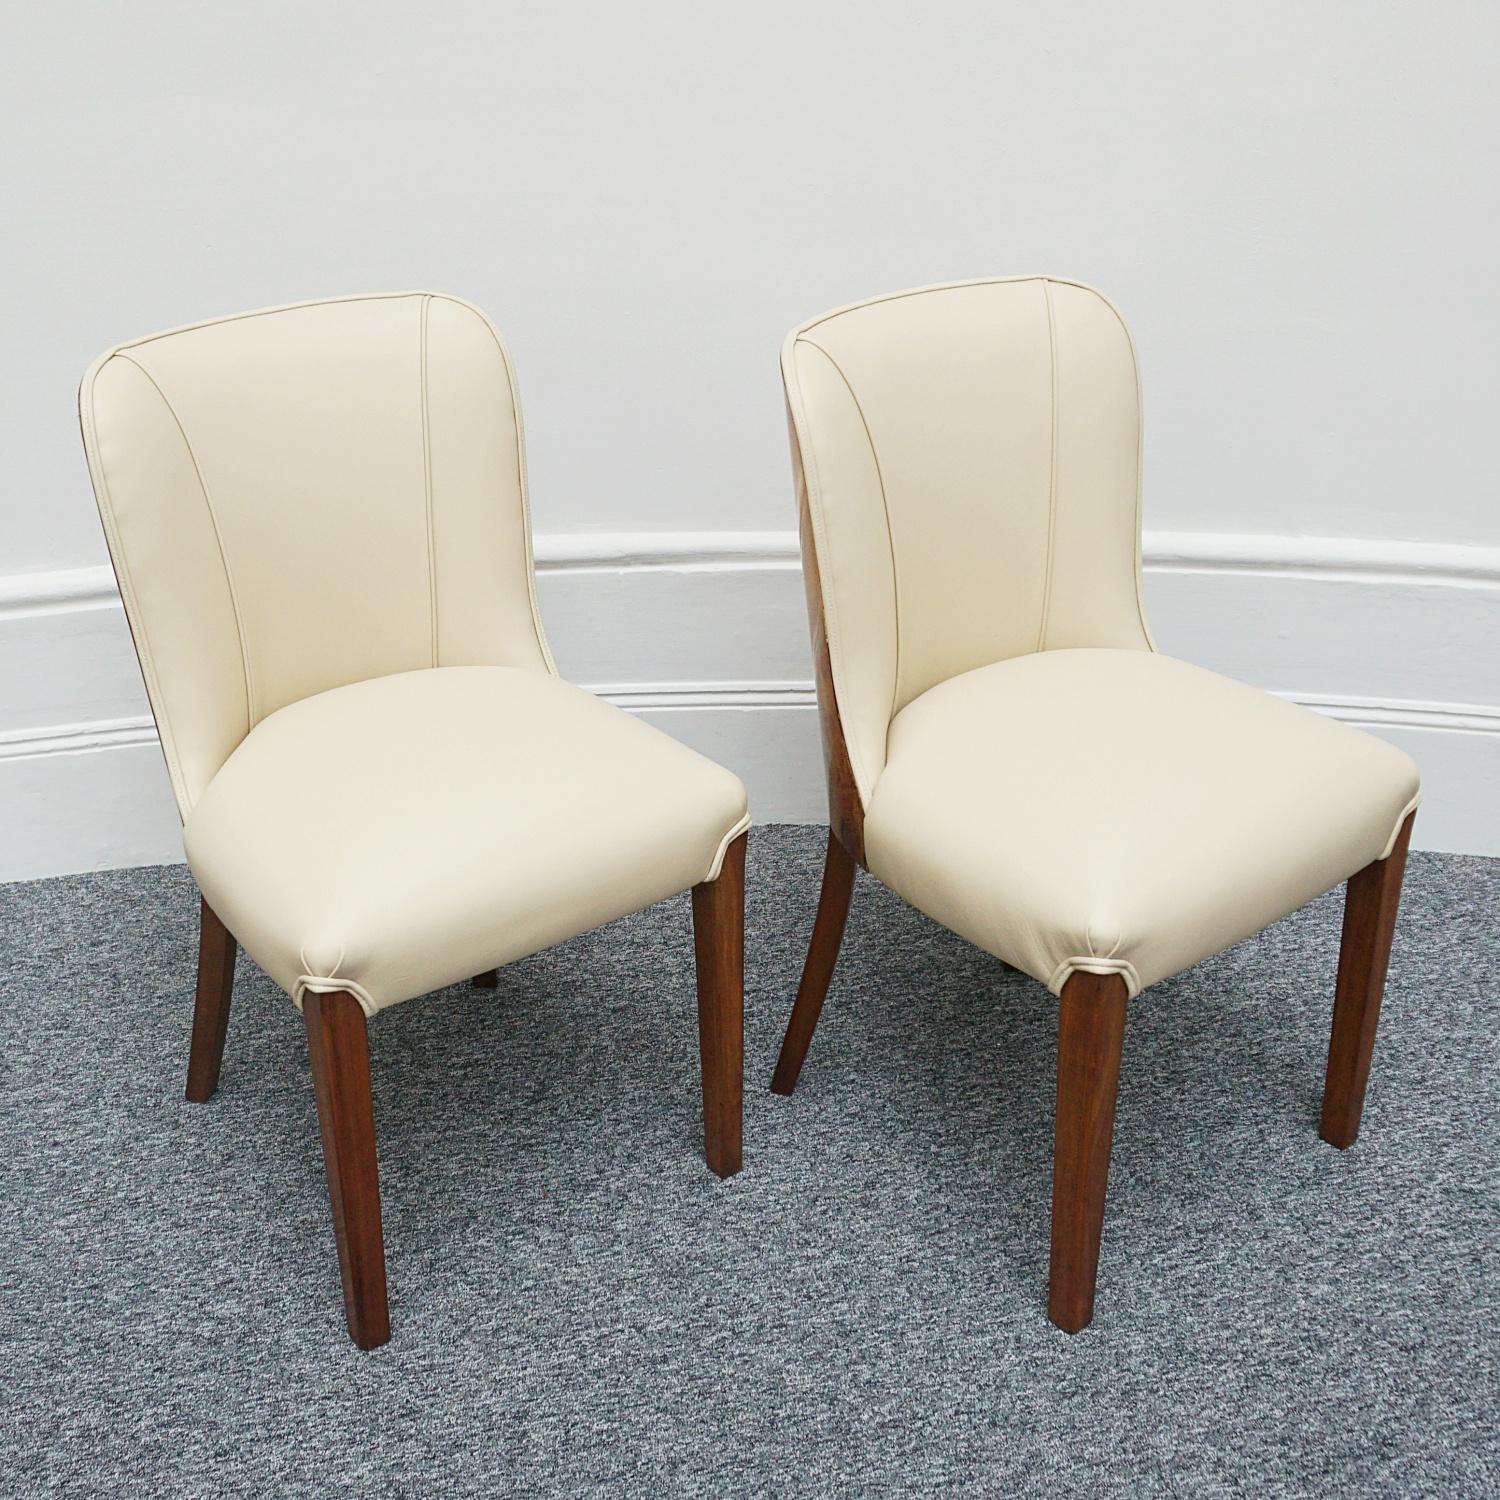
969	456
309	496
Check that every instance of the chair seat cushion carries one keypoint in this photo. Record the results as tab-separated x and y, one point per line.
1122	812
403	833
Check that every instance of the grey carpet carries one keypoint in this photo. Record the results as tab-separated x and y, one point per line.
580	1308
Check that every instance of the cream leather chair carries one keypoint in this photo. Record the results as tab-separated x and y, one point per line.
1004	747
318	519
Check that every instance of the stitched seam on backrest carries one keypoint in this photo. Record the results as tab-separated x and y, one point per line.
432	588
263	312
1135	370
885	506
515	408
823	557
134	618
1140	466
234	600
920	291
1041	630
800	334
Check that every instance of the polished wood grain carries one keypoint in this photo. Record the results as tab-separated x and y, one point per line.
719	945
846	813
489	980
216	950
339	1052
1370	902
1090	1033
817	971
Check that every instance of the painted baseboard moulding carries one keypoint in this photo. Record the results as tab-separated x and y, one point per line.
669	697
1330	559
71	739
81	766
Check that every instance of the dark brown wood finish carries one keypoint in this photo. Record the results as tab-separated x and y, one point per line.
822	955
1370	903
719	944
489	980
216	950
1090	1033
846	813
339	1052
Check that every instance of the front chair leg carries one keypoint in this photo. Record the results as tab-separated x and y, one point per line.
719	945
822	954
1091	1030
339	1051
216	949
1370	904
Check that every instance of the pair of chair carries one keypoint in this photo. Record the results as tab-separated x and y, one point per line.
318	518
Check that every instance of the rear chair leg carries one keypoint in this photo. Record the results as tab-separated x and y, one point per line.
339	1052
822	954
216	949
489	980
1369	923
719	945
1091	1031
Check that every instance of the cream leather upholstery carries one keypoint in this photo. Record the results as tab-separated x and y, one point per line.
498	806
972	455
1031	773
1120	812
318	518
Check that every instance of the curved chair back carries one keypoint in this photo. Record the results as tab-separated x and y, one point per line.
305	497
969	460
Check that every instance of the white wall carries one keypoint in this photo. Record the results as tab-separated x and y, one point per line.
1295	205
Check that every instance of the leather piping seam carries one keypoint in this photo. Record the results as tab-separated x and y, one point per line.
264	312
1140	460
1111	965
952	286
329	985
885	505
1084	964
824	569
803	329
515	406
427	476
1041	631
821	550
234	598
829	607
133	615
510	375
1401	817
716	866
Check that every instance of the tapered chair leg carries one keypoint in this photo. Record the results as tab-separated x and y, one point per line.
1370	903
719	944
216	950
817	971
338	1049
489	980
1091	1030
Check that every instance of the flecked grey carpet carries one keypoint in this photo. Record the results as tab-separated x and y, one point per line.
580	1308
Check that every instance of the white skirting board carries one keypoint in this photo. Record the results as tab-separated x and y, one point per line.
705	635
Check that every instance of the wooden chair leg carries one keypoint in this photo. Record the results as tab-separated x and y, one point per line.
216	950
489	980
719	944
1091	1030
1370	903
339	1051
817	971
